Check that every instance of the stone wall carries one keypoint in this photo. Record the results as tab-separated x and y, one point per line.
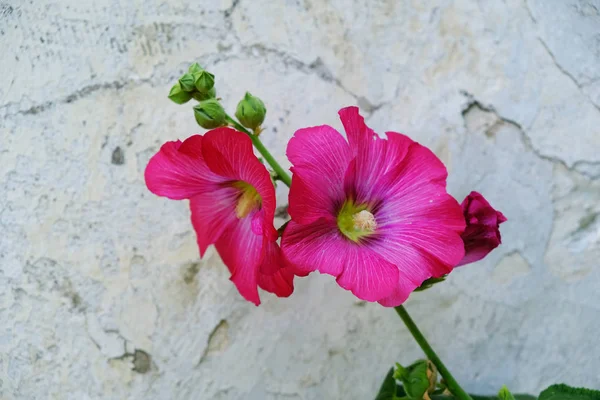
103	295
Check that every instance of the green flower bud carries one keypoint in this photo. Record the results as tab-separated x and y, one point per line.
194	68
211	94
187	82
204	81
210	114
178	95
251	111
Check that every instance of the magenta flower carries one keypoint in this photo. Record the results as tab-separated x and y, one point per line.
482	233
232	200
374	213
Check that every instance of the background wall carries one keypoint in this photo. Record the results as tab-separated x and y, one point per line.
102	292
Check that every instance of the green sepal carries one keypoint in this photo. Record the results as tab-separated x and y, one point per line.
430	282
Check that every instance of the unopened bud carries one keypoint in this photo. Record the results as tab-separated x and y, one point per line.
251	111
194	68
204	81
178	95
211	94
187	82
210	114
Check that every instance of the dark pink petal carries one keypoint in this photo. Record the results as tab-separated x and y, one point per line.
320	156
242	251
417	211
374	157
310	201
482	234
273	274
229	153
320	246
178	174
358	133
212	213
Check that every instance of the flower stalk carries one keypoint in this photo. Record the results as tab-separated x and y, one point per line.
451	383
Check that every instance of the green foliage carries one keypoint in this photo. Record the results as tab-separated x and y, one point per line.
505	394
416	378
389	388
564	392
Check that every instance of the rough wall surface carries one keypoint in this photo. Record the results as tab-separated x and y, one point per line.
102	292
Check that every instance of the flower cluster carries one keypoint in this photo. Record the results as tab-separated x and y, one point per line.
372	212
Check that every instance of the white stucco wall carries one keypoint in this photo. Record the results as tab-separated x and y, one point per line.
102	294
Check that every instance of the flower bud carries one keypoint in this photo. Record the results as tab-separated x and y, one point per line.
251	111
211	94
178	95
194	68
187	82
210	114
204	81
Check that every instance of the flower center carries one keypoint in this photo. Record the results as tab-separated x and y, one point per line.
248	199
356	221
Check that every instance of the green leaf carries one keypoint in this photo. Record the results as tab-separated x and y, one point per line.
564	392
505	394
388	388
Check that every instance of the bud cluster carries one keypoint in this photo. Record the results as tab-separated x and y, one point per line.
199	84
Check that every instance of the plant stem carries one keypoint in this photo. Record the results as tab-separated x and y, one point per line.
453	386
281	174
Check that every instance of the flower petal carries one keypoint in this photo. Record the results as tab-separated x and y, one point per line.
320	246
320	156
212	213
178	171
375	157
242	251
229	153
273	274
358	133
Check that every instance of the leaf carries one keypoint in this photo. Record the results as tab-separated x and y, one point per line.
564	392
505	394
388	387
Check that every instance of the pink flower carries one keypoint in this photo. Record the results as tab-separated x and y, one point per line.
374	213
232	200
482	233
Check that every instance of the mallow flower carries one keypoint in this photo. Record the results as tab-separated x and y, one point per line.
482	233
372	212
232	202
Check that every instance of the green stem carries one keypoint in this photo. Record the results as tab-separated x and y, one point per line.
281	174
451	383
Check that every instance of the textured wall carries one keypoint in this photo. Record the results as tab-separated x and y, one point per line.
102	295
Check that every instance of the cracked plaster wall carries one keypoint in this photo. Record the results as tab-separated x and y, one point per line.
103	295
